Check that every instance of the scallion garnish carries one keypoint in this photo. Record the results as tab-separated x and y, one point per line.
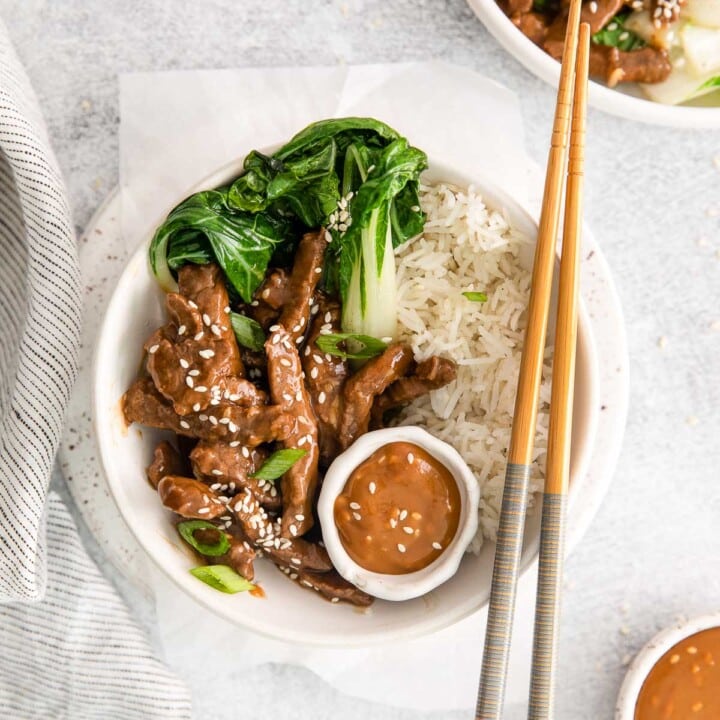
364	347
247	332
187	530
222	577
279	463
475	296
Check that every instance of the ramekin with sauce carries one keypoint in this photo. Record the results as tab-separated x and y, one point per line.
676	676
398	509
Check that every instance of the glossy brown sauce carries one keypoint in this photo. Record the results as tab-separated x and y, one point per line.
685	683
398	511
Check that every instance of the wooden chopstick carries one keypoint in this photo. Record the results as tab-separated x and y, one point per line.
491	691
552	534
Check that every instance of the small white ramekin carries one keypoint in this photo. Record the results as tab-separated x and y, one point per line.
411	585
647	658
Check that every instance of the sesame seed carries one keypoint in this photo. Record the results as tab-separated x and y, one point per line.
199	336
213	420
328	357
234	443
334	600
401	547
623	36
274	328
206	319
301	441
189	381
224	420
314	373
307	351
232	427
216	486
692	650
298	396
196	407
293	530
194	373
317	359
185	424
296	561
408	530
437	546
403	514
201	389
203	418
207	354
227	309
215	471
299	517
203	511
245	452
357	516
184	364
410	458
181	330
593	7
372	487
321	398
192	304
355	506
153	349
285	362
299	340
216	330
393	523
328	238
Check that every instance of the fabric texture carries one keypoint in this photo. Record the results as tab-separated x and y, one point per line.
69	646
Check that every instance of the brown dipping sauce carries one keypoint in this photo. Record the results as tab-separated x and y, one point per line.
398	511
685	682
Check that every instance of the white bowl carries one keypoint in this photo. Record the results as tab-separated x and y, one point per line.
410	585
626	101
288	612
648	657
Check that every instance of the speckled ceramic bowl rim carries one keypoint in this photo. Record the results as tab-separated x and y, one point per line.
616	102
411	585
650	654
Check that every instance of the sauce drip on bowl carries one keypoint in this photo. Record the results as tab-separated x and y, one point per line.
685	682
398	511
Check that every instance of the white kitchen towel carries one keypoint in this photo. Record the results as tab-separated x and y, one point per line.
69	647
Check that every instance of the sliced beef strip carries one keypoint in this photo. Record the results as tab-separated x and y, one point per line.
514	7
190	498
646	65
429	375
288	391
329	585
305	275
325	376
196	361
239	557
166	461
251	426
269	298
534	25
232	468
365	385
264	531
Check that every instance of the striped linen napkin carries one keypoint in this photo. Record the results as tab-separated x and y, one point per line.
70	648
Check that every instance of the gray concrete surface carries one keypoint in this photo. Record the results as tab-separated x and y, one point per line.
653	552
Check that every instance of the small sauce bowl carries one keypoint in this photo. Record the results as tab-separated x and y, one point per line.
650	655
413	584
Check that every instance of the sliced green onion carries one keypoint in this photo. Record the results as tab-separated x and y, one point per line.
223	578
248	332
279	463
475	296
364	346
187	532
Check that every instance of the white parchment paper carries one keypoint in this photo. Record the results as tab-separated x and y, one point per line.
178	127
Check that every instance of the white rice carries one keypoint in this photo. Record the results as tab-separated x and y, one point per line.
466	246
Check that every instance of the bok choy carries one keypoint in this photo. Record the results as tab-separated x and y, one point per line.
357	177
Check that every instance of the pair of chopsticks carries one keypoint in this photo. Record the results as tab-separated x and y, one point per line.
569	120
